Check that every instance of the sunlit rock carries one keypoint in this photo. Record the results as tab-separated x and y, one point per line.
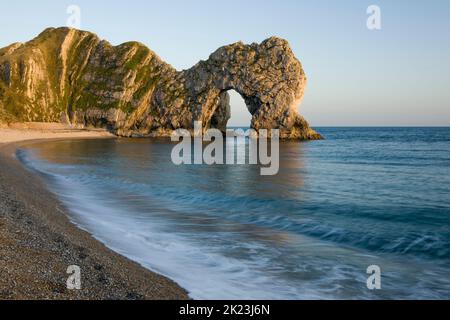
73	76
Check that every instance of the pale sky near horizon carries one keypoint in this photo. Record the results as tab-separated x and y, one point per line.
396	76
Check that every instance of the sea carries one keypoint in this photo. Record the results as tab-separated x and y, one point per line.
363	199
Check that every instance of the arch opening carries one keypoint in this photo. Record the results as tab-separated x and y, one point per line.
240	115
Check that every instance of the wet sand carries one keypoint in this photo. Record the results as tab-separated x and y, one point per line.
38	242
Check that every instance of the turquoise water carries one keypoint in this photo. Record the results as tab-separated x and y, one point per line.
363	196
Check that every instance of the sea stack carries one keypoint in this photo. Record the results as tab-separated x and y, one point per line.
71	76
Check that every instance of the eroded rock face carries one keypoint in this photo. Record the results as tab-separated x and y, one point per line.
73	76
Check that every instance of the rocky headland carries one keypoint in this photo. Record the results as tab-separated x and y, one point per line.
73	77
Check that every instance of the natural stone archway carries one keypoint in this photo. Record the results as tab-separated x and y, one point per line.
70	75
268	77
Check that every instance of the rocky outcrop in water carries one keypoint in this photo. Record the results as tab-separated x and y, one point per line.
72	76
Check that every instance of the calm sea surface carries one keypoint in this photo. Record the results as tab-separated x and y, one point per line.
363	196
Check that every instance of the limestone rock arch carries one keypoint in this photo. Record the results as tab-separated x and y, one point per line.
269	78
73	76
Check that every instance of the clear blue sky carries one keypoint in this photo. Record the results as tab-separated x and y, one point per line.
399	75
